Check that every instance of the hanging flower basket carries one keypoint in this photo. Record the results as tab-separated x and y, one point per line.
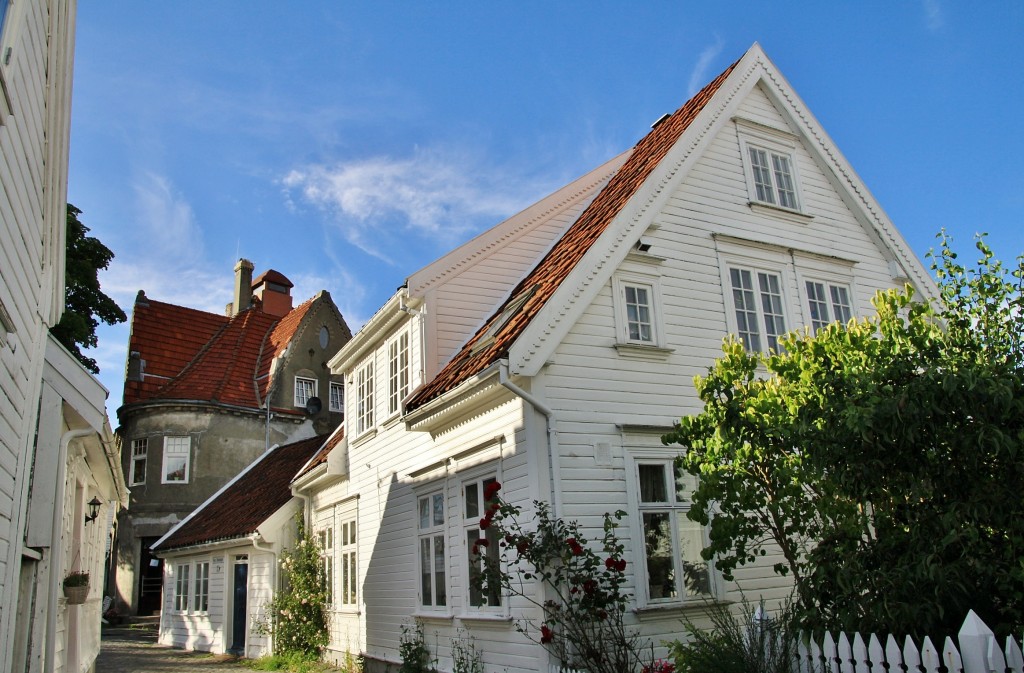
76	587
76	595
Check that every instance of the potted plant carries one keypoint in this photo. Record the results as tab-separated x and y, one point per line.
76	586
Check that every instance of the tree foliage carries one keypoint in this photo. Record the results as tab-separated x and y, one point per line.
879	462
85	303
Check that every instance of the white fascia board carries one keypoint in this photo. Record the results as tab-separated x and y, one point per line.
373	332
76	386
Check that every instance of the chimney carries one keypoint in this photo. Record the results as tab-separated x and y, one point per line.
243	287
274	291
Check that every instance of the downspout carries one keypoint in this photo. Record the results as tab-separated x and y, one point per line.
56	549
554	467
255	540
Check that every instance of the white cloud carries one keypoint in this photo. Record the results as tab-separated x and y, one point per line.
934	15
431	196
699	74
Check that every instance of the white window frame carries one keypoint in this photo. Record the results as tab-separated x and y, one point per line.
325	538
621	283
831	287
431	529
304	385
176	450
336	397
756	260
364	398
472	489
182	587
772	143
348	556
399	371
201	587
140	455
676	509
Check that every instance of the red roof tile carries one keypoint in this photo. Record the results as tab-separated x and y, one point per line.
566	253
271	276
257	493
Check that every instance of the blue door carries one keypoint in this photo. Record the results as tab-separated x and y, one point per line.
239	613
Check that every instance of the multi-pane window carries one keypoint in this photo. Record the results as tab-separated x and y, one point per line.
336	401
305	388
181	587
757	300
430	532
348	563
828	303
398	371
364	398
177	452
481	543
326	539
674	568
773	177
140	449
639	323
201	587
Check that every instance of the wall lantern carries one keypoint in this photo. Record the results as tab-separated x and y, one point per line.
94	509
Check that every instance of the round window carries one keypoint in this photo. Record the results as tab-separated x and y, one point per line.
324	337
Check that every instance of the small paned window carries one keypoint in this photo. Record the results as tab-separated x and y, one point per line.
181	587
326	540
140	449
364	397
639	326
481	543
201	593
349	576
674	568
757	301
431	556
305	389
398	372
828	303
773	177
177	454
337	397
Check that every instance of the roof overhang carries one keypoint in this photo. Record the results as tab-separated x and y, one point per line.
473	396
394	311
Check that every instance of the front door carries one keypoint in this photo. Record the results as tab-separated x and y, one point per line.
151	578
239	618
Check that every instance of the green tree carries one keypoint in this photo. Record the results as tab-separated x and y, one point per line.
884	459
85	303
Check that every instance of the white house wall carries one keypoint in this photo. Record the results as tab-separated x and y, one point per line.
597	393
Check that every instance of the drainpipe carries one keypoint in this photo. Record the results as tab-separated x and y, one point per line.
255	540
554	467
56	549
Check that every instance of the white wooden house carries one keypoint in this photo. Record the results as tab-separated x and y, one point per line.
221	562
551	353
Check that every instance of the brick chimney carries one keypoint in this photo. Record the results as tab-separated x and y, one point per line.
274	291
243	287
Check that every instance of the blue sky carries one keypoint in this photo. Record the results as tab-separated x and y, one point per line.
347	144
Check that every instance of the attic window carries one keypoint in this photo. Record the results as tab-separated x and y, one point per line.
511	309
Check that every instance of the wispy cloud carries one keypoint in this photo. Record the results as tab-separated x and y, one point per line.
699	74
382	202
166	257
934	15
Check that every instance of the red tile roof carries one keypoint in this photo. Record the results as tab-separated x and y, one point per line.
257	493
195	355
566	253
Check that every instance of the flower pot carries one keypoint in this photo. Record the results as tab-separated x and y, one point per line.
76	595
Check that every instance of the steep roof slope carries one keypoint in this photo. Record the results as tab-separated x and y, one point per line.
238	510
542	282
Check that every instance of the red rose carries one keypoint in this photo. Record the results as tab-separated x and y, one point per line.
590	586
481	543
491	489
485	523
546	634
621	565
610	563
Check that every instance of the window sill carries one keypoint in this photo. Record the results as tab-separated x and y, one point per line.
643	352
440	616
484	617
391	420
663	609
366	436
780	212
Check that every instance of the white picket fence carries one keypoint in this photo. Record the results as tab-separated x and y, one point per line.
978	652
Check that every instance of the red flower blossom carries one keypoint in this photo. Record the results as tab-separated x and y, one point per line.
491	490
546	634
621	565
574	546
482	542
610	563
485	523
590	586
